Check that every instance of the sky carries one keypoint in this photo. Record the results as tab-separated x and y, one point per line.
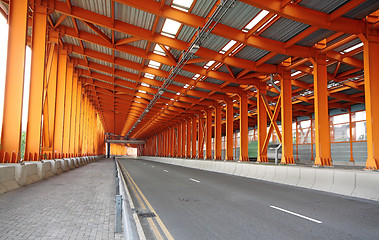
3	63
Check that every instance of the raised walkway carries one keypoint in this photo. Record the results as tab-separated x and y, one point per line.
78	204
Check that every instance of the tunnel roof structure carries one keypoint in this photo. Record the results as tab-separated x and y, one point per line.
124	50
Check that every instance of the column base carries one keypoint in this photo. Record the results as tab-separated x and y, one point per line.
323	161
372	164
287	160
229	158
262	159
244	158
218	158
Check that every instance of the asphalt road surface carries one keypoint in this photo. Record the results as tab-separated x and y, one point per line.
197	204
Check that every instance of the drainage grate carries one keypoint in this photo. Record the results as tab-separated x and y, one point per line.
147	215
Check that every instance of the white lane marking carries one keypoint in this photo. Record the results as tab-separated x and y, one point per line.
194	180
152	166
165	170
296	214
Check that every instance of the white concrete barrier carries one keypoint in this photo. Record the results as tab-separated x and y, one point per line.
307	177
280	174
64	164
324	179
7	178
31	173
344	182
251	171
270	173
229	167
238	170
293	176
261	171
71	162
367	185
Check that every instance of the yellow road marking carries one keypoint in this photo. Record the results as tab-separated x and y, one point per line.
158	219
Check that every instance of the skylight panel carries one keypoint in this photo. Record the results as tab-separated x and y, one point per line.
267	22
209	64
178	93
196	76
148	75
183	3
228	46
159	50
295	73
186	86
141	91
353	47
154	64
170	28
255	20
145	85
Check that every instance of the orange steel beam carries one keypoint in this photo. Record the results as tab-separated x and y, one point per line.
286	118
244	133
310	16
14	82
262	127
73	113
37	75
371	73
218	129
60	103
67	109
194	136
322	131
208	142
188	154
229	128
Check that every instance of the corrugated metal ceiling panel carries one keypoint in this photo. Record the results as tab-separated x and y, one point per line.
97	48
75	55
202	89
134	16
128	57
140	44
277	59
284	29
347	45
102	7
215	81
186	33
239	15
126	69
101	72
251	53
119	35
203	7
322	5
126	79
315	37
70	40
214	42
363	9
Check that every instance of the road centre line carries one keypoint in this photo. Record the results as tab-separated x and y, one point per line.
194	180
295	214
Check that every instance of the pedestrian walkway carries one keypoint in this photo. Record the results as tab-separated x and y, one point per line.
78	204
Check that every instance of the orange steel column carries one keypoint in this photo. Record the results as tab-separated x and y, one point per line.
200	145
73	113
322	128
244	124
286	114
188	155
262	127
208	142
183	124
194	136
14	82
229	129
180	139
78	117
67	110
37	76
59	107
172	140
218	132
371	73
